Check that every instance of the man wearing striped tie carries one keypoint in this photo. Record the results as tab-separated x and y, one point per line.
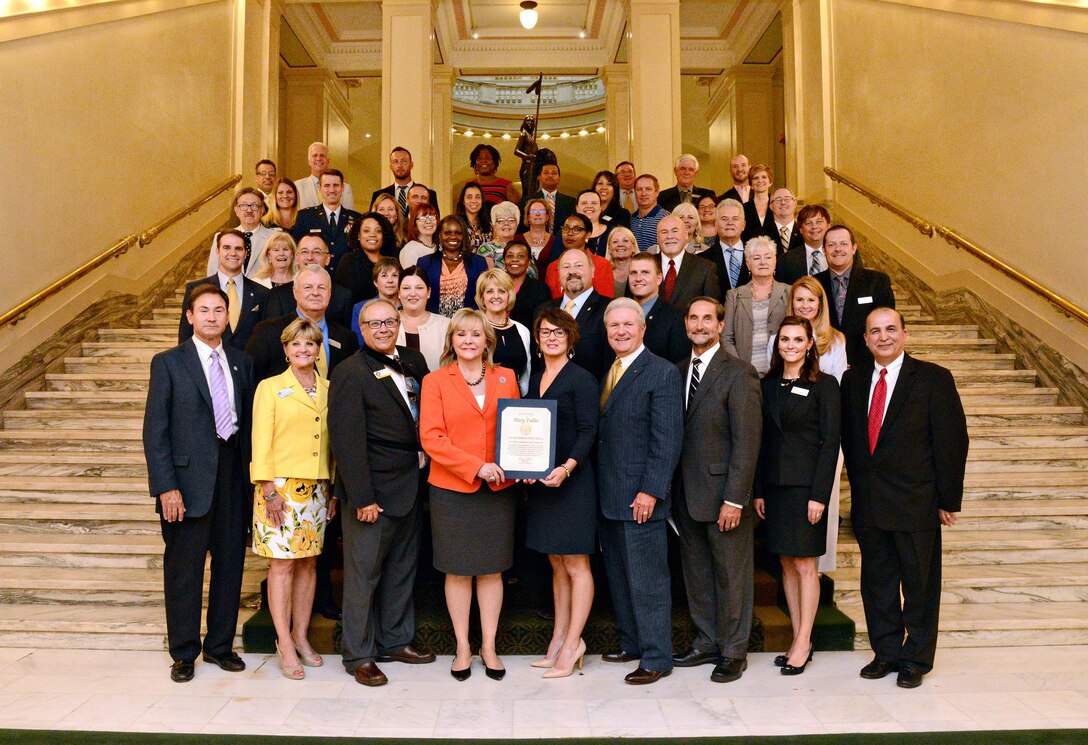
401	165
196	443
722	426
783	204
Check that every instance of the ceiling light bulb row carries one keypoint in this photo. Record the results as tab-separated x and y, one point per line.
528	15
543	135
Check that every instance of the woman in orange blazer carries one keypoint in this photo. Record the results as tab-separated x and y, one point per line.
472	517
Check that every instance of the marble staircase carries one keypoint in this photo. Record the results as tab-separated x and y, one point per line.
80	548
1016	563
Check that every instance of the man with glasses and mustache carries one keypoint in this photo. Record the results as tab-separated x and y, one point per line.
249	207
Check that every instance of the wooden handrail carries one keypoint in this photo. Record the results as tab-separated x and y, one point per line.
955	239
20	311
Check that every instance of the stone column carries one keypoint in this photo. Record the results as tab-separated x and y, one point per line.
316	110
442	78
807	96
654	54
617	93
407	77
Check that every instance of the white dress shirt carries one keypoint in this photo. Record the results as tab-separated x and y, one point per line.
625	362
890	379
579	301
205	354
676	260
704	363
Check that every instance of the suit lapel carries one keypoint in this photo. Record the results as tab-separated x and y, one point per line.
587	307
288	380
712	372
192	364
387	384
626	380
744	301
903	385
789	405
461	385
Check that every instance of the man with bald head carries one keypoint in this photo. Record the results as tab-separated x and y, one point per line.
738	169
686	276
783	204
586	306
309	188
685	191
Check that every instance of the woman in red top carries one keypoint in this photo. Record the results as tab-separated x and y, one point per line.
485	160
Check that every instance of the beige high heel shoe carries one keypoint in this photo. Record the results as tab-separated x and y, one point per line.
557	672
291	673
546	661
309	660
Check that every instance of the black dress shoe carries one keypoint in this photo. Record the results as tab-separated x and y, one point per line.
181	671
230	662
495	673
878	668
329	610
408	655
369	674
693	658
909	677
642	676
729	670
620	656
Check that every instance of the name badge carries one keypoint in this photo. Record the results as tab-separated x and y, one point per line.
799	391
336	345
284	393
865	300
379	374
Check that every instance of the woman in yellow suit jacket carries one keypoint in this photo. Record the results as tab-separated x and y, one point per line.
291	470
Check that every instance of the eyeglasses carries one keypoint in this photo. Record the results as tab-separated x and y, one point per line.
389	323
426	218
249	207
782	199
312	252
506	221
573	229
266	173
557	333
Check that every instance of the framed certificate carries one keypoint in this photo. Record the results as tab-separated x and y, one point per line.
525	438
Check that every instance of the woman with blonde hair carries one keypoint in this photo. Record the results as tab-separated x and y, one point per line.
540	234
386	206
622	247
276	264
291	468
472	512
495	297
689	214
284	210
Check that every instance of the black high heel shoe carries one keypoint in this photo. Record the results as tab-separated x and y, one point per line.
462	675
788	669
494	673
782	659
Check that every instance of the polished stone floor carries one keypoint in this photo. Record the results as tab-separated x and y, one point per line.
971	689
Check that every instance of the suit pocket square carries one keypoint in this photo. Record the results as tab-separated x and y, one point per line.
255	309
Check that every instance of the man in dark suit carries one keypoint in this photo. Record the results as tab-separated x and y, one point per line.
852	291
713	494
400	164
196	443
330	219
814	222
686	276
562	204
586	305
685	190
664	326
741	190
783	204
905	442
726	249
312	249
374	432
640	431
312	289
245	297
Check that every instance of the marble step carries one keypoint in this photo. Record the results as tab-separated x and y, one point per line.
1029	514
960	362
107	365
1027	437
993	414
169	312
129	550
1001	583
1044	546
159	323
969	378
980	489
16	463
940	331
925	346
997	394
98	381
997	624
137	335
116	586
86	517
141	351
96	626
70	440
85	399
1049	459
91	488
107	420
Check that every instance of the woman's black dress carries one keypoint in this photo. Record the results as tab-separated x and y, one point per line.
510	350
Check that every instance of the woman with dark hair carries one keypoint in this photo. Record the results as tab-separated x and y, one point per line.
453	269
562	519
530	293
420	231
370	238
605	184
284	210
419	328
485	160
708	211
589	204
474	214
386	278
795	474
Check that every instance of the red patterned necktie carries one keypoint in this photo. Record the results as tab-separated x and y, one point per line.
670	280
876	409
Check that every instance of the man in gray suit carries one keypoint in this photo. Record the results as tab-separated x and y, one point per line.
374	432
639	438
722	428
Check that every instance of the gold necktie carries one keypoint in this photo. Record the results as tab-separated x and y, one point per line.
234	308
322	364
569	308
614	375
629	202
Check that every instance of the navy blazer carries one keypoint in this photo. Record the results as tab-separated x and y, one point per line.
180	444
639	437
665	334
313	219
592	352
266	350
254	297
475	265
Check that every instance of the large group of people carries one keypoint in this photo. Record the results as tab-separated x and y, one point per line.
714	360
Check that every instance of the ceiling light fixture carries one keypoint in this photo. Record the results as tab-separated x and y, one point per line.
528	14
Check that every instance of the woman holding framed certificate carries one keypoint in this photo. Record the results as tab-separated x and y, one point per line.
562	519
472	514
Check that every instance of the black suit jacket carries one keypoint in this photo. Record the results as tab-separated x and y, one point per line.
920	458
180	443
793	265
281	302
616	215
564	208
267	351
670	197
391	190
721	436
374	438
754	227
528	300
592	351
868	289
254	297
665	334
800	436
731	193
715	254
313	219
697	276
796	240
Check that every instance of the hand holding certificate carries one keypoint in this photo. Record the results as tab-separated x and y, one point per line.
525	438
